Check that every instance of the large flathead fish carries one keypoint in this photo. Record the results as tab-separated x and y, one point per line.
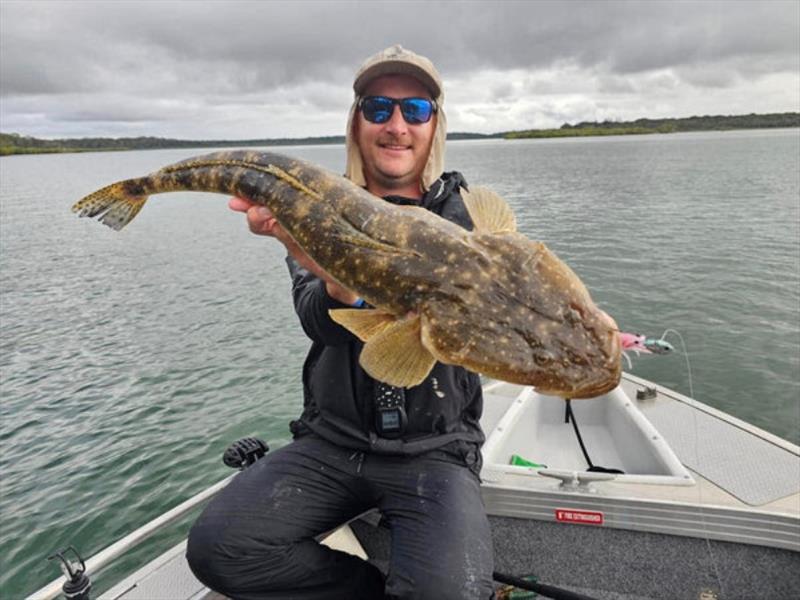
490	300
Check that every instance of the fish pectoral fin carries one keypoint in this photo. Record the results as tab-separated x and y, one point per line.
363	323
396	355
488	211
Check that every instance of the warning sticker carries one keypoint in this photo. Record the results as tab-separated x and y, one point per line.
579	516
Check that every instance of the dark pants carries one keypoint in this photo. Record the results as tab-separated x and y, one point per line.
256	538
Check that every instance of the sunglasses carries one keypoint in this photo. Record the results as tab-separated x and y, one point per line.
379	109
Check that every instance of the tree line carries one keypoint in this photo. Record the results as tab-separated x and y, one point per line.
13	143
672	125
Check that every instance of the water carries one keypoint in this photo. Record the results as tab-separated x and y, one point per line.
130	360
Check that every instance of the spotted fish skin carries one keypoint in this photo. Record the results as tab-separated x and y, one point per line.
494	302
531	321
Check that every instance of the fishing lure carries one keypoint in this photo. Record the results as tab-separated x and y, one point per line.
642	344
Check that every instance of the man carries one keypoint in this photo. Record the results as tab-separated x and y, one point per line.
412	453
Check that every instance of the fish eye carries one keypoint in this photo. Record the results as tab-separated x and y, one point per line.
542	358
573	316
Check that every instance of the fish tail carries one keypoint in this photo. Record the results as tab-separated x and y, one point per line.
114	205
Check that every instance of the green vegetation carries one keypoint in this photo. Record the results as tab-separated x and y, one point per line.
646	126
579	132
12	143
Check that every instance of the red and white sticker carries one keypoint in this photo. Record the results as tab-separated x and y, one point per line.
585	517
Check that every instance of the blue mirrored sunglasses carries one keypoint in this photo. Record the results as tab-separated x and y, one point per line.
379	109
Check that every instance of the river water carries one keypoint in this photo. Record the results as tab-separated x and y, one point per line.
130	360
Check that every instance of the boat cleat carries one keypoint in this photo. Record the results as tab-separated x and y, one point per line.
577	481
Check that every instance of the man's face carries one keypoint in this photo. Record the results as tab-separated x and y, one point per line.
394	153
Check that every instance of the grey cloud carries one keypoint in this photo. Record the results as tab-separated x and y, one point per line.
190	62
121	110
627	37
714	77
502	91
615	84
255	45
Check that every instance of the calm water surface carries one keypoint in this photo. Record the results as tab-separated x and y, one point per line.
130	360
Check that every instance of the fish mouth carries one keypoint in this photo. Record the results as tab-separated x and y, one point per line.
595	390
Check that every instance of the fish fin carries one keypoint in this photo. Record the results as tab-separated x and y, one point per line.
488	211
363	323
113	205
396	355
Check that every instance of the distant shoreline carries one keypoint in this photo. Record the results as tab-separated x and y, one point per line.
12	143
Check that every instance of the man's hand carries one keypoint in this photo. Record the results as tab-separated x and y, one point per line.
261	221
259	218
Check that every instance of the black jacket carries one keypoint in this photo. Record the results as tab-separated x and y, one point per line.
338	394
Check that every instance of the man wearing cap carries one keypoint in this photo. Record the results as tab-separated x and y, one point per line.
412	453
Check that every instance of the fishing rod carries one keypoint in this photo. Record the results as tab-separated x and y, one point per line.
548	591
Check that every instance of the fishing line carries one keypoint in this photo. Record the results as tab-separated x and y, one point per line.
686	355
697	457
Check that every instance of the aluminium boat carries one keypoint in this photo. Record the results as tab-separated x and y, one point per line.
641	493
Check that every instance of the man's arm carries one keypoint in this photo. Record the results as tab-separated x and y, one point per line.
312	303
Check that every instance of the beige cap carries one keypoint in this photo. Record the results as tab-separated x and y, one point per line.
396	60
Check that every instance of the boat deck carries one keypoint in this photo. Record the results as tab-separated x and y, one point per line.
763	470
169	576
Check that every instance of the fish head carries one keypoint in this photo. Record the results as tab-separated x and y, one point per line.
522	315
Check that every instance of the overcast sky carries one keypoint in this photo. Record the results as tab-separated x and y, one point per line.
234	70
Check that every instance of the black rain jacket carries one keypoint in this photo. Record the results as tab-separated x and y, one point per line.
444	410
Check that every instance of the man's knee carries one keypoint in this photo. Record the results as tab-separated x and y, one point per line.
232	561
205	558
223	563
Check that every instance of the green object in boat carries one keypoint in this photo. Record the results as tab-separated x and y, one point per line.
518	461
